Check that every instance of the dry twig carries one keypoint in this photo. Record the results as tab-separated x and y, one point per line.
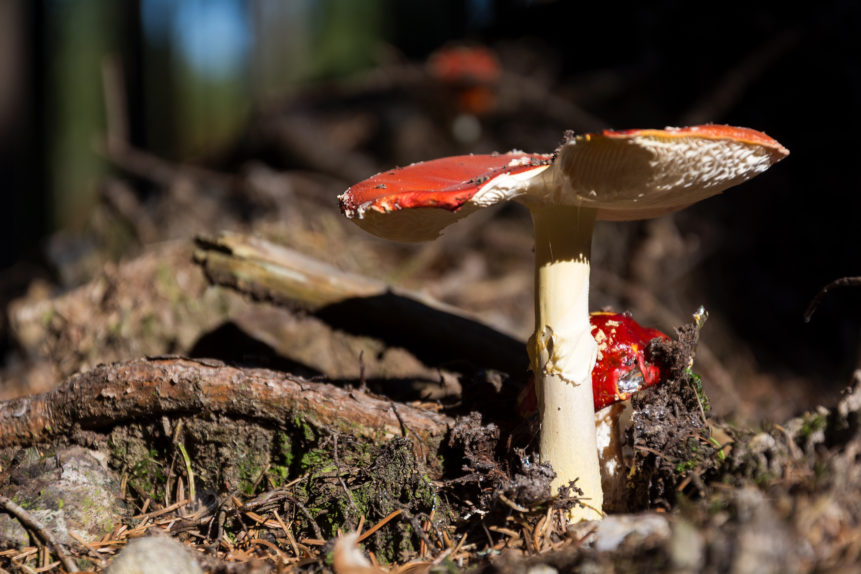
27	520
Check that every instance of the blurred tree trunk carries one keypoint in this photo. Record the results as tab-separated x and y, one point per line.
77	35
22	219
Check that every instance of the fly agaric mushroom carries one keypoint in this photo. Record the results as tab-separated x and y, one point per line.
622	367
612	175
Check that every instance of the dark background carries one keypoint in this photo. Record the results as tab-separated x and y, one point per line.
197	74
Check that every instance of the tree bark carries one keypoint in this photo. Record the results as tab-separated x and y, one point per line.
142	389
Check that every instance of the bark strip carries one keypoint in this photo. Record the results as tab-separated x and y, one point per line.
146	388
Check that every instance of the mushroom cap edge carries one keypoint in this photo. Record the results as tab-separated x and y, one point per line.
415	202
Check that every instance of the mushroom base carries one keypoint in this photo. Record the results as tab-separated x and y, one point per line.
568	446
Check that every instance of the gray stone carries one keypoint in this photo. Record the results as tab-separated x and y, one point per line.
630	529
154	555
68	492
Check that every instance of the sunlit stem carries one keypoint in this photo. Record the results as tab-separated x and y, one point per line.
563	351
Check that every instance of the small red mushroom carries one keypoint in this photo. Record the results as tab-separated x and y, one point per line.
621	367
612	175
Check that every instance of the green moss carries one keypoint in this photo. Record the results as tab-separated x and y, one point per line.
115	328
236	455
305	428
166	283
48	316
366	479
316	460
719	453
148	476
394	480
25	504
85	564
329	559
149	325
282	459
696	383
763	479
811	424
716	505
88	503
249	476
279	475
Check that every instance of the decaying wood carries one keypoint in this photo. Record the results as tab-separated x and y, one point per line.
356	303
148	388
270	272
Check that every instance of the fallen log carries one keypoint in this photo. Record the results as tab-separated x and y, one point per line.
433	331
143	389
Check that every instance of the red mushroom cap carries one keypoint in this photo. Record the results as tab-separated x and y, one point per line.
464	65
446	183
645	173
621	368
383	204
621	175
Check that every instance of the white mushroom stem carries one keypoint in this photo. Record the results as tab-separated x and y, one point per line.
563	351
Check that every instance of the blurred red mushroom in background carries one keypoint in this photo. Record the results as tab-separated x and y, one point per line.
469	76
471	73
